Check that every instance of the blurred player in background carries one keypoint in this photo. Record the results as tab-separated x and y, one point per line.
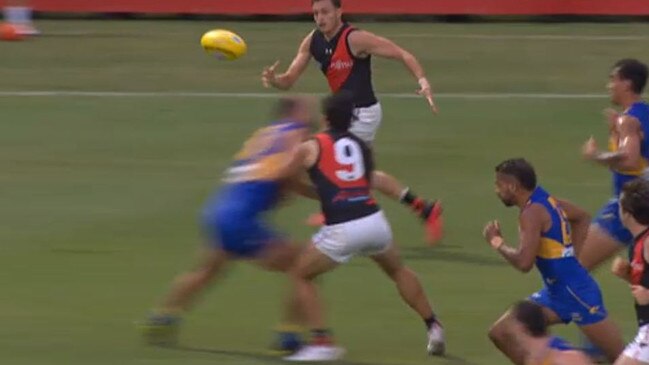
627	157
233	219
340	166
634	213
540	348
548	228
18	13
344	54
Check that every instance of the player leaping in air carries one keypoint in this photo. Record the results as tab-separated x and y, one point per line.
548	229
345	55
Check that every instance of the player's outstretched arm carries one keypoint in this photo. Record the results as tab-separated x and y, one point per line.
364	43
287	79
579	223
531	225
627	156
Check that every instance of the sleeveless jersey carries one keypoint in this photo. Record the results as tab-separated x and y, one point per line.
556	258
341	176
640	275
342	69
640	111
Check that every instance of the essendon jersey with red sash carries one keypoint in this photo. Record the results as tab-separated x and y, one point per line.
342	69
341	176
640	275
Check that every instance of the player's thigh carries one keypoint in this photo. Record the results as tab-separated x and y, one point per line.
606	336
312	262
598	247
389	261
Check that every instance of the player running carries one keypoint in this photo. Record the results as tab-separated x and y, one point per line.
628	155
345	55
634	213
540	348
233	219
341	168
547	229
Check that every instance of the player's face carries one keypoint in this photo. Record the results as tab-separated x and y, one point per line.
616	86
505	188
326	16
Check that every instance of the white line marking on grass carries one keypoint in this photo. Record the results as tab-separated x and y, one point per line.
242	95
538	37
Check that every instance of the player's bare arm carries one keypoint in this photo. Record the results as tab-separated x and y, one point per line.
522	258
363	44
287	79
627	157
579	222
621	268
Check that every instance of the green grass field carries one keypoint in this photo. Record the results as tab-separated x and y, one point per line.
100	194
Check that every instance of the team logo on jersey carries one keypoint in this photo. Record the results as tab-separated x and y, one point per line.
341	65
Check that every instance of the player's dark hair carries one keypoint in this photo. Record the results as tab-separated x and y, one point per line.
632	70
635	200
520	169
337	3
530	315
339	111
285	106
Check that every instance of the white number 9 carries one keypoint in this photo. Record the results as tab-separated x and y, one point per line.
349	153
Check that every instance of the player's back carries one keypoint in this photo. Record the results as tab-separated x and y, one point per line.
342	177
555	258
639	111
252	181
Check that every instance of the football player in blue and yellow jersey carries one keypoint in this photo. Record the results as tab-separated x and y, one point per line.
627	157
540	347
233	219
548	228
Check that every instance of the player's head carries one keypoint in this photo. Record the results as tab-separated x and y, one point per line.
514	177
529	319
327	14
296	108
634	203
338	110
628	76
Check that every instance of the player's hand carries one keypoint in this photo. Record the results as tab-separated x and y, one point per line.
612	116
641	294
492	234
621	268
268	77
589	149
426	91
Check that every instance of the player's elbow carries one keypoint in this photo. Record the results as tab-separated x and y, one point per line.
526	267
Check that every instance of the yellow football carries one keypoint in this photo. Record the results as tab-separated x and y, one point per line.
224	44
